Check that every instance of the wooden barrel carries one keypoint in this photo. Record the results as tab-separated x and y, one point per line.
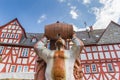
64	30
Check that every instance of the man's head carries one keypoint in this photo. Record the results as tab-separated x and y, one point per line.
60	43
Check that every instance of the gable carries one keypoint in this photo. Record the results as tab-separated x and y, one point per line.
11	32
111	34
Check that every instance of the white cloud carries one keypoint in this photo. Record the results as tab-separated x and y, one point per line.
61	1
110	11
42	18
73	12
86	1
75	28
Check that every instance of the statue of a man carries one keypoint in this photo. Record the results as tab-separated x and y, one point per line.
60	62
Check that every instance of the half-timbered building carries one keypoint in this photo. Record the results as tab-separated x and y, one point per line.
100	58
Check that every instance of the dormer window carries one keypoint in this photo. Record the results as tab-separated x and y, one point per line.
83	39
97	36
34	39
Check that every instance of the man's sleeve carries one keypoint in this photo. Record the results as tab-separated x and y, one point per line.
77	46
41	49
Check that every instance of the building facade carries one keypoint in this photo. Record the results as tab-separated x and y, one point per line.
100	58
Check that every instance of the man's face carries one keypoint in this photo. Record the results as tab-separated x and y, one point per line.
60	43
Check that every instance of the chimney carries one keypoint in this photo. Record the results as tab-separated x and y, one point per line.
91	28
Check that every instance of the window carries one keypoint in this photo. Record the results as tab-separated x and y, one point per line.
97	36
110	47
25	52
34	39
107	55
25	69
87	68
101	55
110	67
87	49
118	54
2	35
12	69
83	57
95	55
8	35
105	48
113	54
16	36
94	68
89	56
116	47
1	49
19	69
15	23
13	35
94	48
99	48
48	45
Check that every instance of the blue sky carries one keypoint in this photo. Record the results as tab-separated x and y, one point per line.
35	14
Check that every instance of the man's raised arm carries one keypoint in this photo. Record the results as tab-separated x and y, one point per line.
41	50
77	45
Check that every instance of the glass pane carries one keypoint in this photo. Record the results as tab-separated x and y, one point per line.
99	48
25	69
25	52
101	55
116	47
83	57
110	67
87	49
118	54
107	54
89	55
95	55
87	68
110	47
12	69
113	54
105	48
94	48
19	69
1	49
94	68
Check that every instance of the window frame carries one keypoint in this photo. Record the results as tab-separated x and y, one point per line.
1	49
24	69
25	52
2	35
111	66
95	68
87	68
19	68
12	68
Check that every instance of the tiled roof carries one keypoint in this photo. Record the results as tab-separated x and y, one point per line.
90	37
28	41
110	35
